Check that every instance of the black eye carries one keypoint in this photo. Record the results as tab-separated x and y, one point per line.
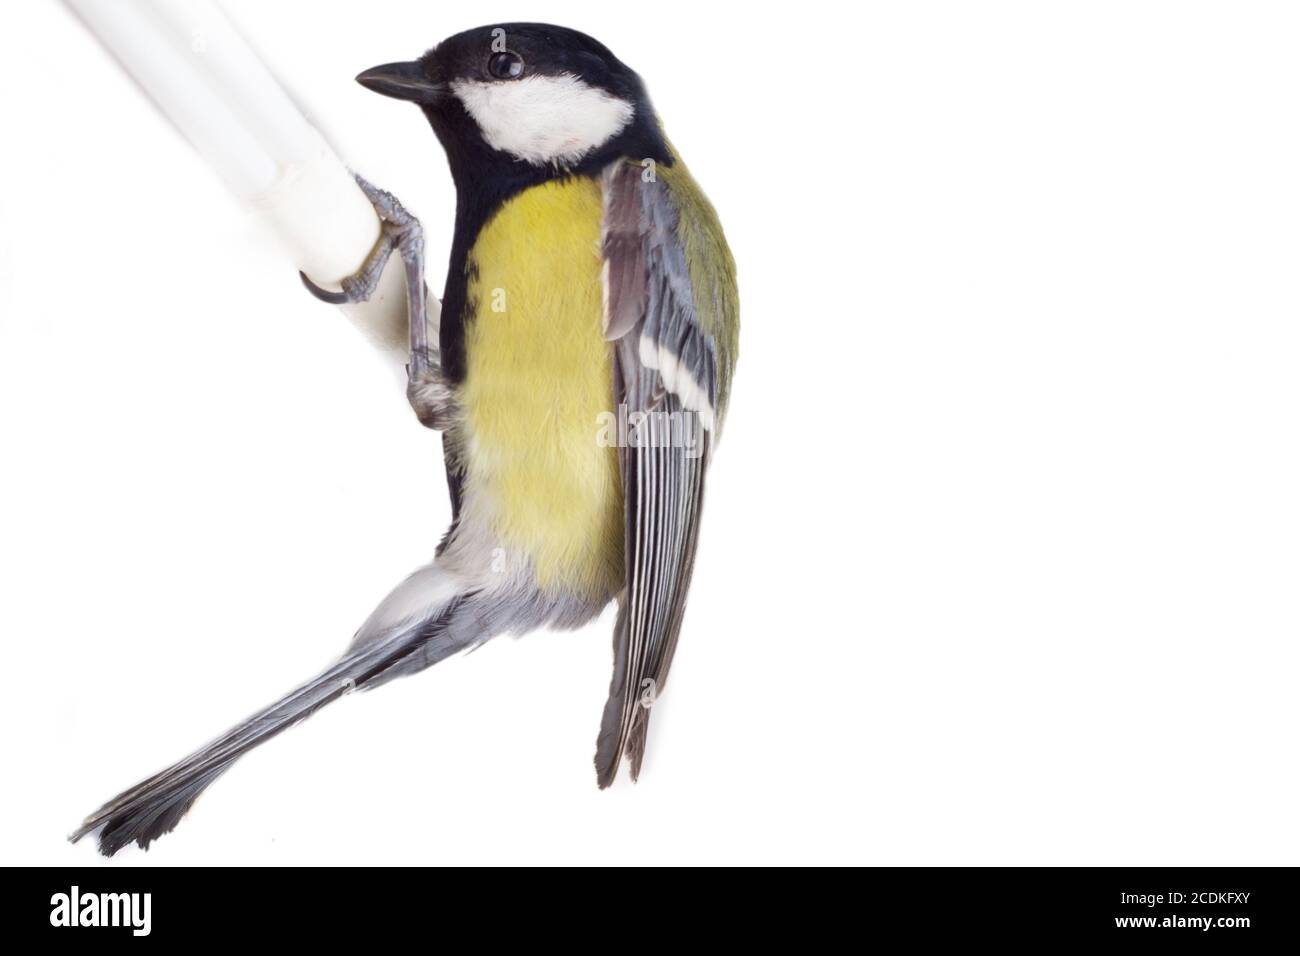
506	65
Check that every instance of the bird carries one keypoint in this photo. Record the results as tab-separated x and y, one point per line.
579	376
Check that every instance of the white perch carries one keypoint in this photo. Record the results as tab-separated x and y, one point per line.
199	71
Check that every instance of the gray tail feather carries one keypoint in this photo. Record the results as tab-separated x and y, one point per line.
154	806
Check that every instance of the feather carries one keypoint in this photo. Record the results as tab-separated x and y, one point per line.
153	807
667	375
625	266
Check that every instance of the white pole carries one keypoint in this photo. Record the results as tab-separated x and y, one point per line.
193	63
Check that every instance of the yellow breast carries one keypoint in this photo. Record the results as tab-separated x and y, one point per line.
538	377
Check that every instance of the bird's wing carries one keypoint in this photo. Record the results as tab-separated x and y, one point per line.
671	310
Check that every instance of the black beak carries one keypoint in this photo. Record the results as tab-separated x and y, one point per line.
403	81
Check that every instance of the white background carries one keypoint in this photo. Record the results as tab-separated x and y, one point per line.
1001	554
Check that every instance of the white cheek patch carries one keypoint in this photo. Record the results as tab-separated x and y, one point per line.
543	119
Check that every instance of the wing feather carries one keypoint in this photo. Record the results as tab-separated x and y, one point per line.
667	374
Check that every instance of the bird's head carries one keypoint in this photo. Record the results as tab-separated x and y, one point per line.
548	97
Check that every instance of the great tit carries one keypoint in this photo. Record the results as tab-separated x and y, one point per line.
584	357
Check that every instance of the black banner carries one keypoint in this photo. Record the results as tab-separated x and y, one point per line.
1222	907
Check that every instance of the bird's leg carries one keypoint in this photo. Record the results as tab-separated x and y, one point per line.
428	391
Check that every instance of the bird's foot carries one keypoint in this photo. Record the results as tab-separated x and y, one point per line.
400	232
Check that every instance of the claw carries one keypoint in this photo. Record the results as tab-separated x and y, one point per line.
333	298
